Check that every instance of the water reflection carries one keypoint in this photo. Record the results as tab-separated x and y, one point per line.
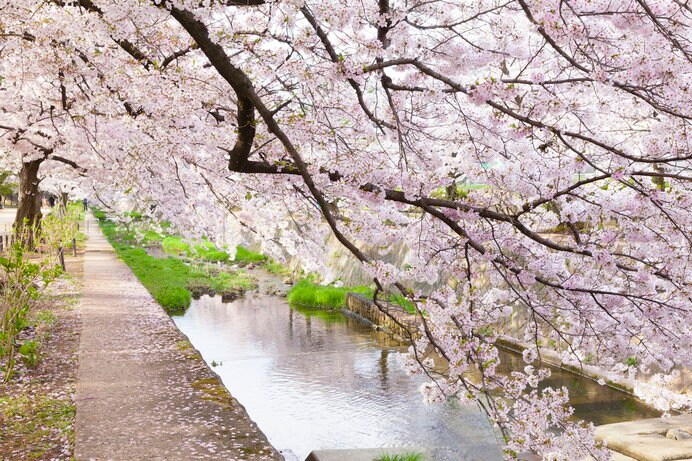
317	380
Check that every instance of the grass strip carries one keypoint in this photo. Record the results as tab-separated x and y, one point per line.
170	280
308	293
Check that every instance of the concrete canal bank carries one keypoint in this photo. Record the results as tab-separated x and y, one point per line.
143	391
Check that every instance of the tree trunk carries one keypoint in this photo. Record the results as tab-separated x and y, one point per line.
29	207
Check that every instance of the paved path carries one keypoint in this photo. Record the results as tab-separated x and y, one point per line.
143	392
6	219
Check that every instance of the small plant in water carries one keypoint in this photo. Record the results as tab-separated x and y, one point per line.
404	457
214	363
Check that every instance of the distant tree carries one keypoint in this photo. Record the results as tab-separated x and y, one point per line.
7	187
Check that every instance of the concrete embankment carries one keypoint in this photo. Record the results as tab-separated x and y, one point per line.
143	392
395	321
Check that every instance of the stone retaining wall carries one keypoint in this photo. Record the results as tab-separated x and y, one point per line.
403	325
366	311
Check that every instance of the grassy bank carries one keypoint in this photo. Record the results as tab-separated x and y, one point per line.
171	281
309	293
205	250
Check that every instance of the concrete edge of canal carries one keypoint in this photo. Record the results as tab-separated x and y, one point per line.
143	391
361	454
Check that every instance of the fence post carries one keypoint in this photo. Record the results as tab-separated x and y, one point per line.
74	246
61	257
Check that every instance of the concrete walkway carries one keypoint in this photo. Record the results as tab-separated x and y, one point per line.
7	219
143	392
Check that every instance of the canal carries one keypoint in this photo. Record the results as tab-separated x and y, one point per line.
313	379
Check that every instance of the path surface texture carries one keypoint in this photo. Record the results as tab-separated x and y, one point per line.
143	392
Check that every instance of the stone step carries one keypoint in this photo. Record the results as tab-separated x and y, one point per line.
656	439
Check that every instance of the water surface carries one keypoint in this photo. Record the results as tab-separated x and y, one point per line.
315	380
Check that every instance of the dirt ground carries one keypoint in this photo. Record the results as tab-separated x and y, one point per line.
37	410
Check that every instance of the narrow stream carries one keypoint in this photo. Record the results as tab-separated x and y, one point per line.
320	380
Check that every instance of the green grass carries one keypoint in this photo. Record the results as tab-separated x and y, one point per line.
306	293
170	280
221	282
166	279
152	238
98	214
277	268
403	302
30	424
175	245
404	457
246	256
205	250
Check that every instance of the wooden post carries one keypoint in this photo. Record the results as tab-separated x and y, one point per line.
61	257
74	246
2	246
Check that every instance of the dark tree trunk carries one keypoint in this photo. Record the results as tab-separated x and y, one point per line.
29	207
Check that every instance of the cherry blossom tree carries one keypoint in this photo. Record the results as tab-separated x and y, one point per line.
533	155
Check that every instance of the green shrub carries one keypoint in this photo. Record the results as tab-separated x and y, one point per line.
23	282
